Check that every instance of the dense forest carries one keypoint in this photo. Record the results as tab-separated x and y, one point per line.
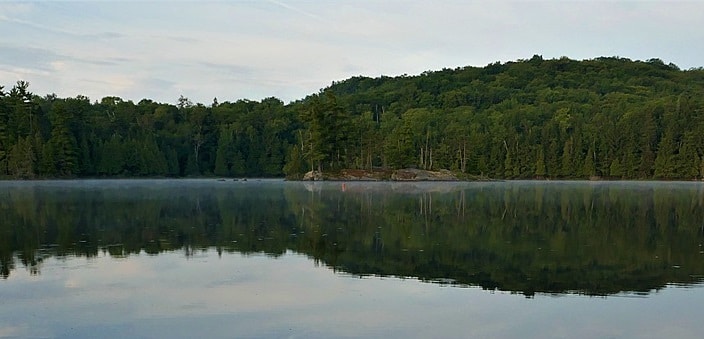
607	117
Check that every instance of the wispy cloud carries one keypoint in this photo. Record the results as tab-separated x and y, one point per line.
45	59
181	39
27	57
298	10
228	69
46	28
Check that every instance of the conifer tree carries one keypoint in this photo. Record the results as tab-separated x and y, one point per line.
63	144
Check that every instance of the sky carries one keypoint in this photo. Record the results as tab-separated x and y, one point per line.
288	49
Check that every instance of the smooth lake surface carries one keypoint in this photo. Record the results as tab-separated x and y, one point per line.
268	258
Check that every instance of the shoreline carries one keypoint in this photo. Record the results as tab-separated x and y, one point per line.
387	175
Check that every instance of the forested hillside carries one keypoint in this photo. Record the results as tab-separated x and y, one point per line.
605	117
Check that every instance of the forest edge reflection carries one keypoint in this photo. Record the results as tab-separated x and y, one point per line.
523	237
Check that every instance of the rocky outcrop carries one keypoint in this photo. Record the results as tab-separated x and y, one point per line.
348	175
362	175
412	174
408	174
313	176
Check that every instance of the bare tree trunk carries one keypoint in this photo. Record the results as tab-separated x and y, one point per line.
369	154
198	142
312	163
427	139
431	159
422	159
300	134
361	151
463	165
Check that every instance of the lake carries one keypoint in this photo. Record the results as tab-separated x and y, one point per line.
268	258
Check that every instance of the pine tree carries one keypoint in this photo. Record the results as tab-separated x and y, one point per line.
172	167
150	160
221	167
568	170
295	164
663	159
328	131
508	165
21	159
85	166
47	166
686	161
4	141
224	153
238	167
112	157
540	171
589	165
191	166
63	144
648	142
616	169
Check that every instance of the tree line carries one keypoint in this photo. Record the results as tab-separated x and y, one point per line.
72	137
607	117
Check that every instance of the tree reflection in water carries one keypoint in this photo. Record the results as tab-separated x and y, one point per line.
524	237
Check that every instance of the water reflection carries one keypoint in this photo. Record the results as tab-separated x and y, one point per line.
524	237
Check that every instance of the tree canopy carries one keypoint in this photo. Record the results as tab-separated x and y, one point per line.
607	117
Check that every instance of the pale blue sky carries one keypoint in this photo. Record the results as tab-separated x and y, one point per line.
291	48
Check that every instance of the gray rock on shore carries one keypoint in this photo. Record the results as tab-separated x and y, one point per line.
408	174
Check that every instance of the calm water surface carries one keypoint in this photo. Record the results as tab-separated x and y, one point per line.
208	258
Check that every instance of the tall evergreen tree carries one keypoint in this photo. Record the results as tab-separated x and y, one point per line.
21	159
540	170
224	153
4	141
63	144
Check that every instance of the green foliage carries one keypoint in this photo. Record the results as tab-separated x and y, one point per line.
5	144
584	115
21	160
63	143
589	169
540	171
327	131
112	157
47	165
616	169
530	118
295	163
150	160
221	167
